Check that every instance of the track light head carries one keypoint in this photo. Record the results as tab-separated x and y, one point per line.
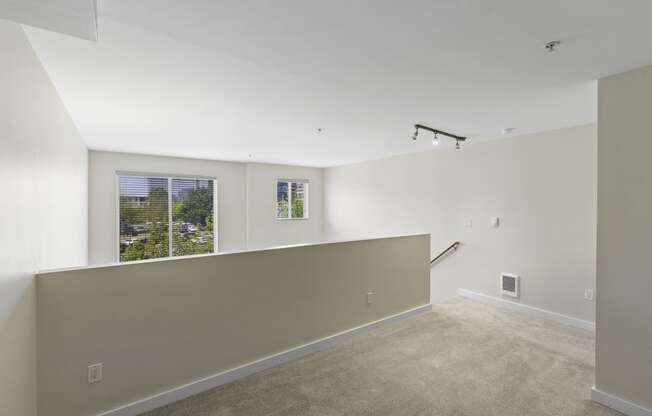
457	144
416	133
435	140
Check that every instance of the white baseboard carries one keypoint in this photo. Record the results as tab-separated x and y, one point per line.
616	403
198	386
530	310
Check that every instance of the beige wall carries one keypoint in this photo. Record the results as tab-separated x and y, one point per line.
160	324
43	207
246	200
624	275
542	186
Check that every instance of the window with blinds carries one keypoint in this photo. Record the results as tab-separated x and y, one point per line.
291	199
165	216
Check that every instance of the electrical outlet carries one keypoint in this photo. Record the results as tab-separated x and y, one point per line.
588	294
95	373
370	298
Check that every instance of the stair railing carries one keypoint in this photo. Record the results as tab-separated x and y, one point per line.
450	248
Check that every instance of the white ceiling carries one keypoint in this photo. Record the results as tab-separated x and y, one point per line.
254	80
72	17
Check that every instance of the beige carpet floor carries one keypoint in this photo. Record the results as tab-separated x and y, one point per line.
463	358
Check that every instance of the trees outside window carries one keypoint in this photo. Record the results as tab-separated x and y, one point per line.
291	199
162	217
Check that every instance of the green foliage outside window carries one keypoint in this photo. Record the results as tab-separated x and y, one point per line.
298	197
154	246
291	199
144	232
195	207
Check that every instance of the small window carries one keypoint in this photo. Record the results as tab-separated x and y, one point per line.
291	199
165	216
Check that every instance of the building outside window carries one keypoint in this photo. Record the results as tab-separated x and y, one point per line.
163	216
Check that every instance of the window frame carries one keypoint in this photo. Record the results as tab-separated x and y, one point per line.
306	199
169	177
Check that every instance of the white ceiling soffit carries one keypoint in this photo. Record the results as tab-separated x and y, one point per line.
71	17
255	80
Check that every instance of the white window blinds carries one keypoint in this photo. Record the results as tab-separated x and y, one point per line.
165	216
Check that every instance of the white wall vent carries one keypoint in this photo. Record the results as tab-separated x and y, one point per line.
509	285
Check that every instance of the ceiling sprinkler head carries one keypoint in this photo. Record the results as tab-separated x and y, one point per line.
508	130
551	46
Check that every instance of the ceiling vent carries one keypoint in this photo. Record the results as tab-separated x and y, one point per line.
509	285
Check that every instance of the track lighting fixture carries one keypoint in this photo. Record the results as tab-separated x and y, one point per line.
552	45
435	139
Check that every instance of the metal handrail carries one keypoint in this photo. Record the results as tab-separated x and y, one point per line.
453	246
